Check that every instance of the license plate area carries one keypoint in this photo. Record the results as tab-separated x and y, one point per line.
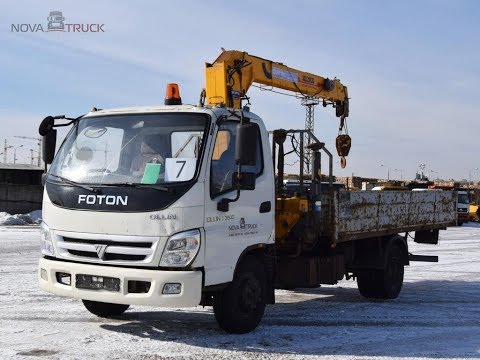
95	282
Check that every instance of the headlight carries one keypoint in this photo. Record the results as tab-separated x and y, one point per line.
46	240
181	249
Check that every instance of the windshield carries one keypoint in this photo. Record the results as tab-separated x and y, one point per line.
132	149
463	199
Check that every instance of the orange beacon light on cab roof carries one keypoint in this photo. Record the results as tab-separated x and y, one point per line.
172	96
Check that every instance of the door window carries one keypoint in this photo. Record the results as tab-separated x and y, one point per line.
223	159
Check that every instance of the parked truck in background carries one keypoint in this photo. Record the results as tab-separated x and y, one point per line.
463	207
463	201
182	205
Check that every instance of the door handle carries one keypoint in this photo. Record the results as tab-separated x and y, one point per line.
265	207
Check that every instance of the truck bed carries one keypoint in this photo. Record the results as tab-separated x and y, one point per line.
364	214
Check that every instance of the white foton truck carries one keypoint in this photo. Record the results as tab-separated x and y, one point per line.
141	207
180	205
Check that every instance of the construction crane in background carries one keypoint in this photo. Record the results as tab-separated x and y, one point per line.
39	143
309	102
230	76
5	151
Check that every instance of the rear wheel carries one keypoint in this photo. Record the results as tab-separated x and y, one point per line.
368	283
240	306
104	309
386	283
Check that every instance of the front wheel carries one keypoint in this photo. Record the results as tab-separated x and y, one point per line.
102	309
386	283
240	306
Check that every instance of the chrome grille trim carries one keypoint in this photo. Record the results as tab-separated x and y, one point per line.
107	249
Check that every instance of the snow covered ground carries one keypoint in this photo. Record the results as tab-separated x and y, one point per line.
436	316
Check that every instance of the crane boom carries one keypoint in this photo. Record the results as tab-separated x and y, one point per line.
230	76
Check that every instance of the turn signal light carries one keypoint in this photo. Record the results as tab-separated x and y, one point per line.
173	95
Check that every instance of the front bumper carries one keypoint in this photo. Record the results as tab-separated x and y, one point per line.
190	294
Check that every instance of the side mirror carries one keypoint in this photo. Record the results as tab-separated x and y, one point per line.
246	144
49	143
46	125
244	180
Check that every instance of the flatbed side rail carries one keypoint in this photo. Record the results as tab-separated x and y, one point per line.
366	214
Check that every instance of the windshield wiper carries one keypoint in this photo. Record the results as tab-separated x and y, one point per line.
145	186
73	183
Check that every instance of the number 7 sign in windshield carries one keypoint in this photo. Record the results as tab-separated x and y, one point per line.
179	169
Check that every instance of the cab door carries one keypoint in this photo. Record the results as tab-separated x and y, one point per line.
250	219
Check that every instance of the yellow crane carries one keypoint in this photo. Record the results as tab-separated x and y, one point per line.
230	76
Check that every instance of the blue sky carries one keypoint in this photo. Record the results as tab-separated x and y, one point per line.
411	68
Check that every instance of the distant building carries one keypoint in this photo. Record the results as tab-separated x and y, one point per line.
21	188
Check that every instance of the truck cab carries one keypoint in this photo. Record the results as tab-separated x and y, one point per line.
140	188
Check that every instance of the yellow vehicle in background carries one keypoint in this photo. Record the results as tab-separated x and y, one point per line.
474	213
474	209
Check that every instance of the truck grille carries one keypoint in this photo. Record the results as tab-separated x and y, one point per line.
107	256
121	250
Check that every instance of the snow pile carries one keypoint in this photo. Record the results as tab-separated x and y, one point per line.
34	217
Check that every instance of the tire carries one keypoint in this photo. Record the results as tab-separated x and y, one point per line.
240	306
368	283
386	283
460	223
106	310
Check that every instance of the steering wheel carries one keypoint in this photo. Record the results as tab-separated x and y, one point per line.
154	160
106	171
